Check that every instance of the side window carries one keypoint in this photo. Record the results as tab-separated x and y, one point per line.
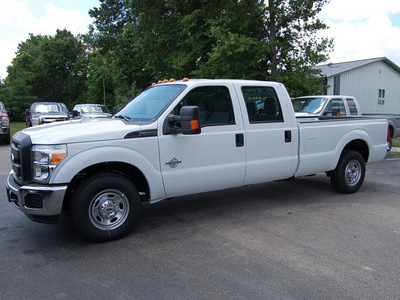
335	103
262	104
214	102
352	106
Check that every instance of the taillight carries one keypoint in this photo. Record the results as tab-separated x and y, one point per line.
388	134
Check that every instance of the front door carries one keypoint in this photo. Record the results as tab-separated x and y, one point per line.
213	159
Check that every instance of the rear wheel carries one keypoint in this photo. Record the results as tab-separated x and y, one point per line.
105	207
349	174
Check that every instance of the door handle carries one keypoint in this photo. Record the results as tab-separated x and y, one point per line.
288	136
239	140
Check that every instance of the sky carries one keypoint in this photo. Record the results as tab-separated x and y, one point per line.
361	28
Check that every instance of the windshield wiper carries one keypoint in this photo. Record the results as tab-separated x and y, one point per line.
126	118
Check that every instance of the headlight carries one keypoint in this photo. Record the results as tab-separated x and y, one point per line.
35	121
45	160
5	122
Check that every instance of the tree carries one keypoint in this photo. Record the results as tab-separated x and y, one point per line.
63	64
214	39
119	67
133	43
294	48
47	68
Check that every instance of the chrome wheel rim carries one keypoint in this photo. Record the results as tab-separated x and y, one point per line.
353	172
109	209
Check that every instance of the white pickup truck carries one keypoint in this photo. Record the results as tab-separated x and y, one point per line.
339	105
181	138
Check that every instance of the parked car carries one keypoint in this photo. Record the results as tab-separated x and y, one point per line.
326	106
46	112
338	105
90	111
393	121
4	124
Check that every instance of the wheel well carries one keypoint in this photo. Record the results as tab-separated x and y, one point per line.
127	170
359	146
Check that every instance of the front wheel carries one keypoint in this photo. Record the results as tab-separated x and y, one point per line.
105	207
349	174
7	140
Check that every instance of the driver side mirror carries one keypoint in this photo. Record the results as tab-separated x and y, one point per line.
73	114
334	112
189	120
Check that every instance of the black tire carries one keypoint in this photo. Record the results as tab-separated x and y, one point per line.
105	207
7	140
349	174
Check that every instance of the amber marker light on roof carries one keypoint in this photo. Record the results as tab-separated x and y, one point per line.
154	83
172	80
160	81
185	79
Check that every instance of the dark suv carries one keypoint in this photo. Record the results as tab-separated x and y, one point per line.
46	112
4	124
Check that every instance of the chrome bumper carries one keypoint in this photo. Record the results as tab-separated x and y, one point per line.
35	199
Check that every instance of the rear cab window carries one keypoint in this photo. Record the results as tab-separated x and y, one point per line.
262	104
352	106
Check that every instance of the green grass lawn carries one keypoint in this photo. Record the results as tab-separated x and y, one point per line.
17	126
396	142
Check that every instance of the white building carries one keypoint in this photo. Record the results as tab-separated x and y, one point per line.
374	82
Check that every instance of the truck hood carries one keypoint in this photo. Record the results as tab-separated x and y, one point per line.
78	131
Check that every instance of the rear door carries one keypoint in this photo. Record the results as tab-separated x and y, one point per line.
271	132
212	160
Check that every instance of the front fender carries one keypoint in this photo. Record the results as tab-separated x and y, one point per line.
78	160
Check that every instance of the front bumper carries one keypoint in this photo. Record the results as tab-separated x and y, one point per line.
4	132
42	203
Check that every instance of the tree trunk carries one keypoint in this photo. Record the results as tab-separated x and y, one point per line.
272	30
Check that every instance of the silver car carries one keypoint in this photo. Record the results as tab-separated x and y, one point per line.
90	111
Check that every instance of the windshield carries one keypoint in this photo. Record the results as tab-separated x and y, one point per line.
53	108
2	109
309	105
150	103
94	109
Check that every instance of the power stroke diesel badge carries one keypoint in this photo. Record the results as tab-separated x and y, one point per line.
173	162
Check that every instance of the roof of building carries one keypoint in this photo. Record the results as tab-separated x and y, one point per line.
338	68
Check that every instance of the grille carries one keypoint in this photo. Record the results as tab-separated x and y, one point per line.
21	158
34	201
53	119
